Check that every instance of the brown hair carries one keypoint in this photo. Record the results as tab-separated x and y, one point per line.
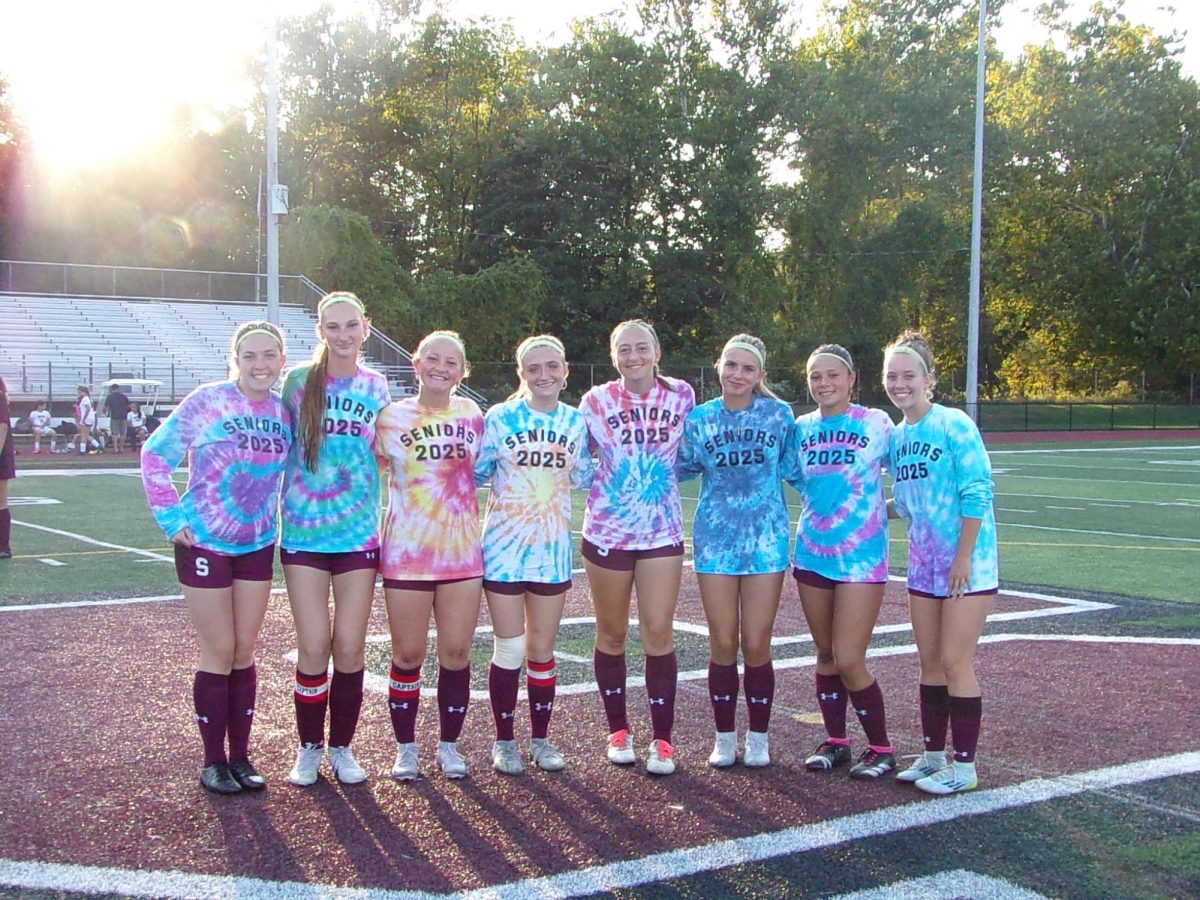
240	334
637	323
311	430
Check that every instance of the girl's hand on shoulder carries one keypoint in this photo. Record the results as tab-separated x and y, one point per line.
184	537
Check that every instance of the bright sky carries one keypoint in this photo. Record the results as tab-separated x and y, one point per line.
96	80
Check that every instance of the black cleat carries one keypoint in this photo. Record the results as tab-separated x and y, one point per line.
828	757
247	776
873	764
219	779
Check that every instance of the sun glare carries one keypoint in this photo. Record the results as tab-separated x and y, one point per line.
93	83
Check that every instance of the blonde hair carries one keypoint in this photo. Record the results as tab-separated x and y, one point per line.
447	335
311	428
532	343
912	343
649	329
759	350
244	331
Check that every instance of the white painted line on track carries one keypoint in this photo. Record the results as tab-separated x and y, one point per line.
1121	534
632	873
116	601
947	886
149	554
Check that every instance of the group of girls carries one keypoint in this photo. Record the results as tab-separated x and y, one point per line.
315	453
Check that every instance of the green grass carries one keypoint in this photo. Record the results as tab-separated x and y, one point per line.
1121	520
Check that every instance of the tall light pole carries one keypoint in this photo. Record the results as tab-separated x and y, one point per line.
272	179
976	223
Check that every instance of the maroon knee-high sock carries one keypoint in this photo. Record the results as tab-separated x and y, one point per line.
760	694
404	698
723	694
210	695
541	681
310	696
868	706
345	706
503	685
662	676
5	529
935	715
610	679
831	698
965	716
243	690
453	695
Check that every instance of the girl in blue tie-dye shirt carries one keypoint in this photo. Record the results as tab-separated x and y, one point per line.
235	435
737	442
331	533
534	451
842	556
943	486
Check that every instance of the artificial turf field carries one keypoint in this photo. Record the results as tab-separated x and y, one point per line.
1090	780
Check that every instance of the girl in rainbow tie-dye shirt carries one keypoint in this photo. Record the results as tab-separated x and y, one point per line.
842	556
534	451
235	435
431	561
943	486
331	533
633	532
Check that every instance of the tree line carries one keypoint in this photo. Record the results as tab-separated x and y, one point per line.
708	166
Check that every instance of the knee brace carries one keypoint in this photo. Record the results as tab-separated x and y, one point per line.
508	653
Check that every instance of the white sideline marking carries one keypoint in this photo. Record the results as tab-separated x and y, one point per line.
50	562
149	554
1121	449
947	886
33	501
116	601
632	873
1145	537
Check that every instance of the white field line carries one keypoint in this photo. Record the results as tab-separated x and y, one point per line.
632	873
116	601
1186	484
148	554
1120	534
947	886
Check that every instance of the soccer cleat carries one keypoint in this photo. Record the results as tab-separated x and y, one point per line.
724	751
953	779
661	760
757	754
546	756
828	757
5	553
308	761
506	759
405	768
450	760
620	750
247	776
872	764
345	766
922	767
219	779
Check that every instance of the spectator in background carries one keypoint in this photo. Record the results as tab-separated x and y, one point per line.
116	404
135	428
85	420
8	471
39	425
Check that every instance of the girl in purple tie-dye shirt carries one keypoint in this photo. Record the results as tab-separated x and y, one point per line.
235	435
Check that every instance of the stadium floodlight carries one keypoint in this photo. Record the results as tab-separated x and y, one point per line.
976	224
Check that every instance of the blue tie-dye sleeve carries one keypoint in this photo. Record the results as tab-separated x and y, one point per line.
485	462
973	468
688	465
790	469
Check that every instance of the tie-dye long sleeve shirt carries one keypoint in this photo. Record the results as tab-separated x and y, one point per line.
533	459
942	475
741	524
236	450
634	500
336	508
431	528
842	533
